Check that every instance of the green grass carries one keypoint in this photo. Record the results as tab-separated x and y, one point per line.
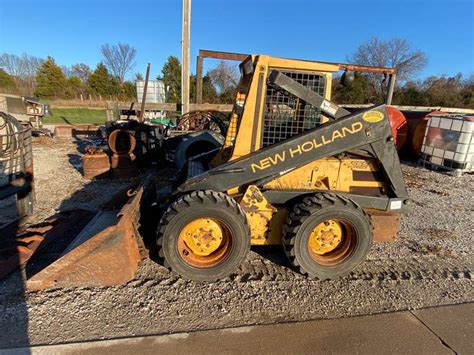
75	116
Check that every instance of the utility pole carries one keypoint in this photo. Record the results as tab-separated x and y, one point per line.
186	25
145	89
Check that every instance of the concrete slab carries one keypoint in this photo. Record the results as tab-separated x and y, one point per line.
384	333
453	324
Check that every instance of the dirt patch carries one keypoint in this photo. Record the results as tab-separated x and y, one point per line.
429	249
440	233
438	192
43	141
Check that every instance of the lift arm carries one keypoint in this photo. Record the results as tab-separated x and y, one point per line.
295	88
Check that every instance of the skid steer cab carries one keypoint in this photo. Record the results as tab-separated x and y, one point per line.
296	170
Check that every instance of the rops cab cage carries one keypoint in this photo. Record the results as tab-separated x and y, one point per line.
16	167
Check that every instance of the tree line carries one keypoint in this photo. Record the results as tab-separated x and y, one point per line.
29	75
444	91
44	78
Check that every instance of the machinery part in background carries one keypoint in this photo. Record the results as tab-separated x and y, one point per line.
347	78
203	120
327	236
124	165
203	236
25	109
95	163
16	163
150	139
122	161
108	250
122	141
399	126
181	148
145	140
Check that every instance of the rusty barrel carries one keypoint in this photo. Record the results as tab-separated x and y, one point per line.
399	126
417	122
122	141
416	133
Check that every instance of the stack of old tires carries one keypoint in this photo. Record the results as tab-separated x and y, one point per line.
122	144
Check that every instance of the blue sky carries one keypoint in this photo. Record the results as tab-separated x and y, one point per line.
72	31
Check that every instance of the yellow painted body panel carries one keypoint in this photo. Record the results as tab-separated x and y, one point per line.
329	174
258	212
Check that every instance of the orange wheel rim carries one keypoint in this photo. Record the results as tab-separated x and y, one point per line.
204	242
331	242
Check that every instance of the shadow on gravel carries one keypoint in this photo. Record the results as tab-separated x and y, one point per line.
13	304
274	253
76	161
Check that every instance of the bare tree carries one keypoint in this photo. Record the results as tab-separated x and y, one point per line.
67	71
396	53
30	65
119	59
82	71
224	76
23	68
10	63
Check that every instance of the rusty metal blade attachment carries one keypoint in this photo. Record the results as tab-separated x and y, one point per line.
106	252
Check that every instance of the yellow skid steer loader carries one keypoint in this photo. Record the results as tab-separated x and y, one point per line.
295	169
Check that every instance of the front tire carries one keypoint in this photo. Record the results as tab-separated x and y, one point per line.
327	236
203	236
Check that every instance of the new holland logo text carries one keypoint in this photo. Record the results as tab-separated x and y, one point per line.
305	147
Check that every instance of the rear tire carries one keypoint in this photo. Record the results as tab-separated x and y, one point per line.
327	236
209	220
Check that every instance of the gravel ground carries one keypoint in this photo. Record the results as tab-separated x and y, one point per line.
430	264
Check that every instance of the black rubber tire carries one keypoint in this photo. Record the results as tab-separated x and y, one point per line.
313	210
201	204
